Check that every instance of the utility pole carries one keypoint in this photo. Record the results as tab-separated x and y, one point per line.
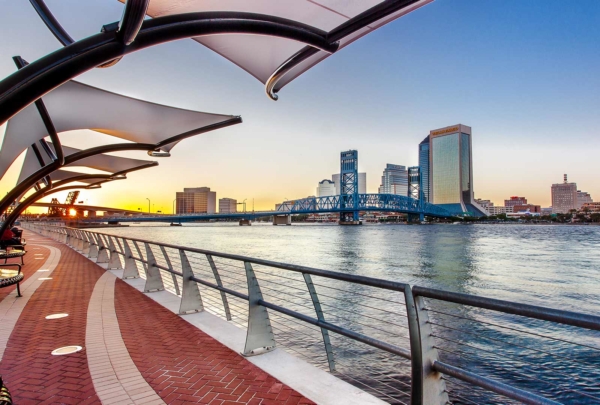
148	204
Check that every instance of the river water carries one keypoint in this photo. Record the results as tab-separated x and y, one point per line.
554	266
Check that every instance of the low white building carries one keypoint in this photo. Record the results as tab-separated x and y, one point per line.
326	188
227	205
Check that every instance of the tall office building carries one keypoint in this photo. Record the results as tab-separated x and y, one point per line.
326	188
424	165
451	170
196	201
227	205
362	183
564	196
394	180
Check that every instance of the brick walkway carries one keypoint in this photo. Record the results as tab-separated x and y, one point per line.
181	363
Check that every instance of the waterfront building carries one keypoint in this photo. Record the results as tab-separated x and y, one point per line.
527	208
546	211
326	188
582	198
515	201
451	170
394	180
591	206
362	183
196	200
499	209
564	196
227	205
485	204
424	165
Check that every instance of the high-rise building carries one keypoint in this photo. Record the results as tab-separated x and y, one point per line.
515	201
424	165
451	170
415	188
564	196
227	205
582	198
196	200
326	188
362	183
394	180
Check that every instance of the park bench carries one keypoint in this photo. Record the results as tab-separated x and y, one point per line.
16	251
5	398
10	277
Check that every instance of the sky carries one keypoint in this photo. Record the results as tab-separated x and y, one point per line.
523	74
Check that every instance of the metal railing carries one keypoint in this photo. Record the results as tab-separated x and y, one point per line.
404	344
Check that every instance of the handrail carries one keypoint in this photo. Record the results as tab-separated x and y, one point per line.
427	386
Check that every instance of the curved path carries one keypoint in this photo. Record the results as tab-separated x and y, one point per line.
134	350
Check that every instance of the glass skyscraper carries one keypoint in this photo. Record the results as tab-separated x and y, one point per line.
450	170
424	165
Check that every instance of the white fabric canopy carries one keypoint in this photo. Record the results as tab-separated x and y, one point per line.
107	163
262	55
75	105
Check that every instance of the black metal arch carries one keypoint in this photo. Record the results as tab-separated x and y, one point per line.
55	187
45	74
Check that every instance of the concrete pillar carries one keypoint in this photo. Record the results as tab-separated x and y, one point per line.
282	219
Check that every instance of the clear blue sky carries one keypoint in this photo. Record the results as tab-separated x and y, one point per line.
524	74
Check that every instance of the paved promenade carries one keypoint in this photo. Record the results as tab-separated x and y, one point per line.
134	351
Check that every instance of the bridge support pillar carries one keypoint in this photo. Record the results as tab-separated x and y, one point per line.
282	219
245	222
415	218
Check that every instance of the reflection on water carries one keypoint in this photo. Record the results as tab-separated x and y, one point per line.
556	266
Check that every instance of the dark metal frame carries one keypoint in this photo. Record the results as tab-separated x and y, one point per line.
52	188
29	84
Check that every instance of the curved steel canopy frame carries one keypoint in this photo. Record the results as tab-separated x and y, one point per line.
118	147
56	187
45	74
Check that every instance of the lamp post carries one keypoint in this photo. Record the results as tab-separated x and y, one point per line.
148	205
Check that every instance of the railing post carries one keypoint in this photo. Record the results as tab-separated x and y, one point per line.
319	311
68	240
115	261
427	386
86	244
170	266
102	250
131	269
190	294
153	277
220	284
93	253
259	338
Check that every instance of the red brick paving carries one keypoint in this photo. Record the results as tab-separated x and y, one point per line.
184	365
32	374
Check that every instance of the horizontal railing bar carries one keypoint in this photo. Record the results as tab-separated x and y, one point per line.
224	289
492	385
339	330
515	308
370	281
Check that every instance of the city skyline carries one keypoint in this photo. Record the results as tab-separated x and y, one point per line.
520	142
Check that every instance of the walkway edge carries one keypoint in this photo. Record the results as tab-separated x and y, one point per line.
313	383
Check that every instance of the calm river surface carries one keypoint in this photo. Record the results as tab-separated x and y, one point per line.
554	266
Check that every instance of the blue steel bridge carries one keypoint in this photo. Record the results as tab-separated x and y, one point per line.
312	205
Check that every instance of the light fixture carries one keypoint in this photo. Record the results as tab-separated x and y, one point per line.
61	351
158	153
57	316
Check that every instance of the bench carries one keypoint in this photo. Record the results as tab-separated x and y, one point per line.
9	254
10	277
5	398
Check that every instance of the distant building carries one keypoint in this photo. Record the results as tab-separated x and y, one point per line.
425	167
362	183
527	208
485	204
582	198
326	188
546	211
515	201
196	201
451	170
227	205
394	180
564	197
591	207
498	209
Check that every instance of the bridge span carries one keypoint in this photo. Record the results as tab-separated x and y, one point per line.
311	205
